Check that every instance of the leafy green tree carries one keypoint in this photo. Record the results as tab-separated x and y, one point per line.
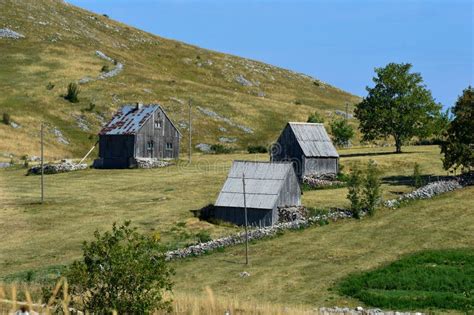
399	105
458	146
354	194
315	118
121	270
342	132
72	92
371	188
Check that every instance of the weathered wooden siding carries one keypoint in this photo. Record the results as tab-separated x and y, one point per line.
255	217
318	166
290	194
155	138
287	149
116	150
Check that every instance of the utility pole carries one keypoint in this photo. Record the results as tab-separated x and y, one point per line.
42	162
347	111
246	223
190	132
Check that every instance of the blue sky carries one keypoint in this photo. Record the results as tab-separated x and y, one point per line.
339	42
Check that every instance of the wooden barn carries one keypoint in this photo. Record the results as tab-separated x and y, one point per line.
267	187
137	131
308	147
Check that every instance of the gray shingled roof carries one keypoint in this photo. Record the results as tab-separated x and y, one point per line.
129	119
313	139
263	182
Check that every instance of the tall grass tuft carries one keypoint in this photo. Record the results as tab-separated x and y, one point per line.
72	93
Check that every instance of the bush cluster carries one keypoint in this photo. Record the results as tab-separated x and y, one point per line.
257	149
72	93
6	119
364	189
221	149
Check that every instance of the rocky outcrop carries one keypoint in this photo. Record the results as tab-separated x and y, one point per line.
8	33
293	213
63	167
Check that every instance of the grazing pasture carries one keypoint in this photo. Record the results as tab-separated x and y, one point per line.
300	267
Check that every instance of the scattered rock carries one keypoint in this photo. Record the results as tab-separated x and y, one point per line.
8	33
244	274
15	125
34	158
222	129
151	163
5	164
227	140
360	311
261	94
59	136
290	214
218	117
103	56
85	80
243	81
63	167
112	73
322	180
147	91
204	147
183	125
81	122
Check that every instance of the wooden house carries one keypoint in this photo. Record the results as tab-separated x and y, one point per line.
137	131
267	187
308	147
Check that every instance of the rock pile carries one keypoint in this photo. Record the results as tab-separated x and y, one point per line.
254	234
360	311
63	167
218	117
324	180
425	192
8	33
343	114
289	214
151	163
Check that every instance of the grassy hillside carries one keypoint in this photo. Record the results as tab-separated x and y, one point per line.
59	46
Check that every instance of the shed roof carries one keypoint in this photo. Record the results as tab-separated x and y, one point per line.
263	183
130	118
313	139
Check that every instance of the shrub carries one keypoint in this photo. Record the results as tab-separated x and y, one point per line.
315	118
121	270
203	236
91	107
417	180
257	149
50	86
354	194
72	93
342	132
6	119
371	190
364	189
220	149
105	68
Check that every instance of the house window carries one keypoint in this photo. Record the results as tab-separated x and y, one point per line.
158	124
150	145
169	146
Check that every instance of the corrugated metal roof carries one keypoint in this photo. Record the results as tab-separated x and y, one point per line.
313	139
129	119
263	182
